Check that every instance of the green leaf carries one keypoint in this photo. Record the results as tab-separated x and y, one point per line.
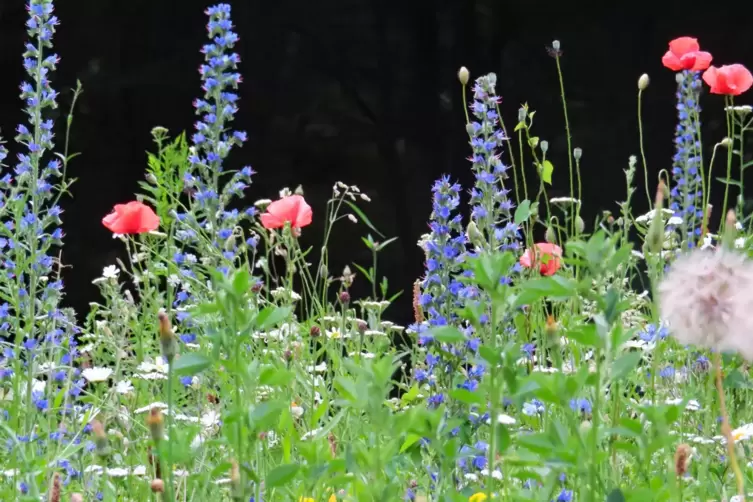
616	496
271	317
409	441
553	288
447	334
466	396
281	475
546	172
363	217
241	282
586	335
191	364
729	182
523	212
519	126
263	415
624	365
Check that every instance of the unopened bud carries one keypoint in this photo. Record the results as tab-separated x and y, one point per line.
54	495
463	75
470	129
151	178
167	339
643	82
544	146
157	486
315	331
726	142
345	298
362	327
577	153
682	459
679	77
474	235
298	190
100	439
556	45
522	112
655	236
580	225
155	423
550	235
235	479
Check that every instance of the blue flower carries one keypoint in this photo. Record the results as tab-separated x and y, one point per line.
686	195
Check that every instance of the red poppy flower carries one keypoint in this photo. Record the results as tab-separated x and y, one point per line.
544	255
732	80
292	209
684	54
131	218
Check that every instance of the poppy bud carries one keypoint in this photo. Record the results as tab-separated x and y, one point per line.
522	112
655	236
679	77
730	230
580	225
544	146
235	480
55	489
315	331
155	423
463	75
100	439
682	459
474	235
151	178
167	338
157	486
550	236
345	298
556	45
726	142
577	153
643	82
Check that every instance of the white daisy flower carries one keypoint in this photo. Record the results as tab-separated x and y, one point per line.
96	374
110	272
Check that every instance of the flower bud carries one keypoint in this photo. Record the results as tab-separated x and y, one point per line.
470	129
643	82
54	495
577	153
550	235
167	339
655	236
474	235
298	190
155	423
463	75
556	45
157	486
544	146
682	459
679	77
362	327
580	225
726	142
315	331
159	132
345	298
522	112
151	178
100	439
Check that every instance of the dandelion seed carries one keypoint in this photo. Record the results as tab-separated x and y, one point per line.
707	300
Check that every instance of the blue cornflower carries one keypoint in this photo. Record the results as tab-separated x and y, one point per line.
581	405
533	407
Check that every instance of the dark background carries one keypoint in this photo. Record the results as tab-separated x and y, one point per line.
362	91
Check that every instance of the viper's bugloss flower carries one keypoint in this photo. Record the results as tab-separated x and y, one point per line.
445	250
491	207
686	195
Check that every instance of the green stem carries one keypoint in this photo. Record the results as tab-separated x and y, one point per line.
643	152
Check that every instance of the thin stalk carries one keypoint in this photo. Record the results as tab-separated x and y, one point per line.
643	152
727	431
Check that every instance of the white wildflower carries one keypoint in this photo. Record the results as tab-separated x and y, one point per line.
96	374
352	218
149	407
110	272
649	216
564	200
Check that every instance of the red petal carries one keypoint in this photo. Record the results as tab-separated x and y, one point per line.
702	61
671	61
682	45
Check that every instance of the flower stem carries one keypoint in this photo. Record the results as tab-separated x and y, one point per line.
726	430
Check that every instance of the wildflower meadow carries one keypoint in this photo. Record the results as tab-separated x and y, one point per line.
550	359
